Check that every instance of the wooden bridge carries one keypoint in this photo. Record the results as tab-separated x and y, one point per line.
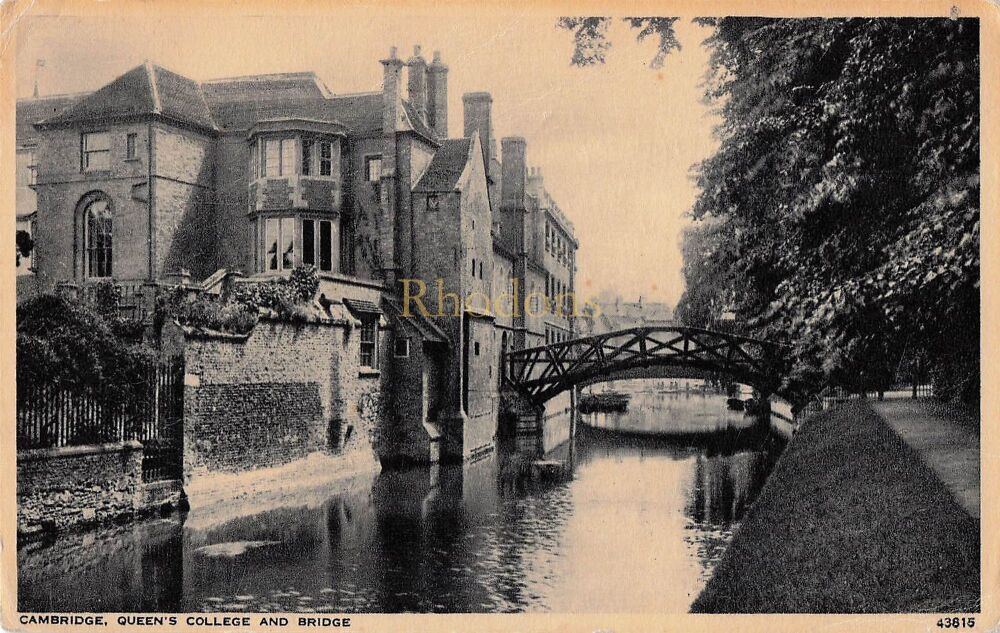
539	373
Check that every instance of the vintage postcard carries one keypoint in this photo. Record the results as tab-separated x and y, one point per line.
475	316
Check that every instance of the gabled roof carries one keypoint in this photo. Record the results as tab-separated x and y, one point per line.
144	90
418	124
446	167
31	111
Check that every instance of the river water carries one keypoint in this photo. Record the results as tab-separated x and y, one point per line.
638	527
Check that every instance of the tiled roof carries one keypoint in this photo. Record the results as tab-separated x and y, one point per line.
145	89
361	114
361	306
181	98
418	124
31	111
446	167
305	85
428	330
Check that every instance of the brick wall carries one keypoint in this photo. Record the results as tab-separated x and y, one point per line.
184	223
72	486
413	405
364	203
277	395
185	229
182	232
234	233
61	187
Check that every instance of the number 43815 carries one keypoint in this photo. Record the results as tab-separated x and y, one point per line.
956	623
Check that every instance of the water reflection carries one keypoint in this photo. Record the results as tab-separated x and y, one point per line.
638	527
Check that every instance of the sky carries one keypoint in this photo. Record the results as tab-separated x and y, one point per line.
615	142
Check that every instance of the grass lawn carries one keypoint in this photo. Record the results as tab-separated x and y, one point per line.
850	521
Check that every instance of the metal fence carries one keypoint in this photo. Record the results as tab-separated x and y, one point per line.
49	416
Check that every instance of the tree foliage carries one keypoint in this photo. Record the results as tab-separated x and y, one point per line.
69	344
23	246
591	43
841	211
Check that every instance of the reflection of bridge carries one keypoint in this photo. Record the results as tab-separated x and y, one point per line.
539	373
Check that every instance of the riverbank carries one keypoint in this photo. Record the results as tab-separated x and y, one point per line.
850	521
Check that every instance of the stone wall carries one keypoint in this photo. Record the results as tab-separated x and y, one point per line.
64	487
557	421
283	392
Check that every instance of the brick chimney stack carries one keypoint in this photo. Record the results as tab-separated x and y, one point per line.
392	74
417	83
535	182
477	116
392	69
514	170
437	96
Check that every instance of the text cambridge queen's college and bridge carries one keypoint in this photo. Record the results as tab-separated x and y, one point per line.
223	621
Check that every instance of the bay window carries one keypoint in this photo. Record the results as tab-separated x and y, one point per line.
325	158
307	156
272	157
319	244
297	155
289	242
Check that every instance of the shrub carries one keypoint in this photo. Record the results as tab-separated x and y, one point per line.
304	282
106	299
204	312
238	313
69	344
284	296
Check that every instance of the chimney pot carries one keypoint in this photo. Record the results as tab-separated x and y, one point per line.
437	56
392	52
416	50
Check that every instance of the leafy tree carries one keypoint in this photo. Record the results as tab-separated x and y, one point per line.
24	245
591	42
844	196
71	345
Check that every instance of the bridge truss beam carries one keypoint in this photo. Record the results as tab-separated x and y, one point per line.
542	372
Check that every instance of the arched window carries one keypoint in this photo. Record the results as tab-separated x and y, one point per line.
97	238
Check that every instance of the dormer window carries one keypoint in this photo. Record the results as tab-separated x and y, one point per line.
95	151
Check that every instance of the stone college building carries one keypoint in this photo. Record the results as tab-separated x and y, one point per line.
156	179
